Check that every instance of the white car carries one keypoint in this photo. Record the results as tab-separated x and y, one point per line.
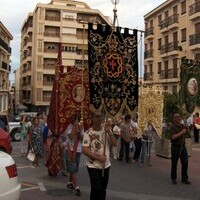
9	184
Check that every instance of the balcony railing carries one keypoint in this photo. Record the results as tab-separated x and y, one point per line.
50	34
5	46
167	74
149	31
52	18
148	76
169	21
4	65
148	54
195	39
172	46
194	8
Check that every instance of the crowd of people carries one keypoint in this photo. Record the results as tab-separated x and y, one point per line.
107	138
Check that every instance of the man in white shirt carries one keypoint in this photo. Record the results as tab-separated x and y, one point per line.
96	146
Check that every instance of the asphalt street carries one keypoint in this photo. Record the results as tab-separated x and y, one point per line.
127	181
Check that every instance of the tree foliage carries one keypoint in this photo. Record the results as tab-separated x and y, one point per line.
171	106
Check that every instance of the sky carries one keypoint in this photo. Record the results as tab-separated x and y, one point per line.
130	14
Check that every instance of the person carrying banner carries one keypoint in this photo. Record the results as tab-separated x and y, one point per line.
74	134
96	146
178	132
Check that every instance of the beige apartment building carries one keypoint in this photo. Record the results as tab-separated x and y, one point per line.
172	31
62	21
5	68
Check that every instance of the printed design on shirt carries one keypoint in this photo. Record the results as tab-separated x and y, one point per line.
96	145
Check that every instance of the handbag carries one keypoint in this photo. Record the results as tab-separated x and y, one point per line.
197	126
31	155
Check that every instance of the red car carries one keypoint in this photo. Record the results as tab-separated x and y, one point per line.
5	144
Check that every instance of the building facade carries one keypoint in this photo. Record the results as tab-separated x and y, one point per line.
62	21
172	31
5	68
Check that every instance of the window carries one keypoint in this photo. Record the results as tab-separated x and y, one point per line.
151	45
159	19
183	7
175	10
166	14
183	35
175	68
174	89
159	43
159	67
197	56
145	68
151	23
151	69
165	88
197	28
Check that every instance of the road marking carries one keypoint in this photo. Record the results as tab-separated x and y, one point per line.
42	188
32	188
24	166
28	184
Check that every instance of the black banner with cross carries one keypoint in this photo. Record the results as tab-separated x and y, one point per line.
113	69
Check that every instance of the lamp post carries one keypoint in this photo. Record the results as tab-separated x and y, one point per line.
115	2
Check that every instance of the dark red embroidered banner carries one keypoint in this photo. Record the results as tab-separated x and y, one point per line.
113	69
70	96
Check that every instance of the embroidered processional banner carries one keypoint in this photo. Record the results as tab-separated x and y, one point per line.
70	98
150	108
189	84
113	69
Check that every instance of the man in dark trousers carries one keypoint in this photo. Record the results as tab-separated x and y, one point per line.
178	132
96	146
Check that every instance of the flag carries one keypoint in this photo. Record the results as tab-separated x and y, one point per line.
113	69
190	84
70	96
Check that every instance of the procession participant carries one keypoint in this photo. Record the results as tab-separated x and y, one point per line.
74	135
178	133
147	141
36	140
196	122
125	138
96	146
25	124
116	133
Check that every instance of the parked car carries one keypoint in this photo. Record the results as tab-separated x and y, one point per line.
4	119
14	129
9	185
29	115
5	144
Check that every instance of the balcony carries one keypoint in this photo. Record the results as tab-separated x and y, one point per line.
169	49
195	39
148	76
148	55
169	74
194	10
169	23
4	65
52	18
51	34
5	46
46	98
149	33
